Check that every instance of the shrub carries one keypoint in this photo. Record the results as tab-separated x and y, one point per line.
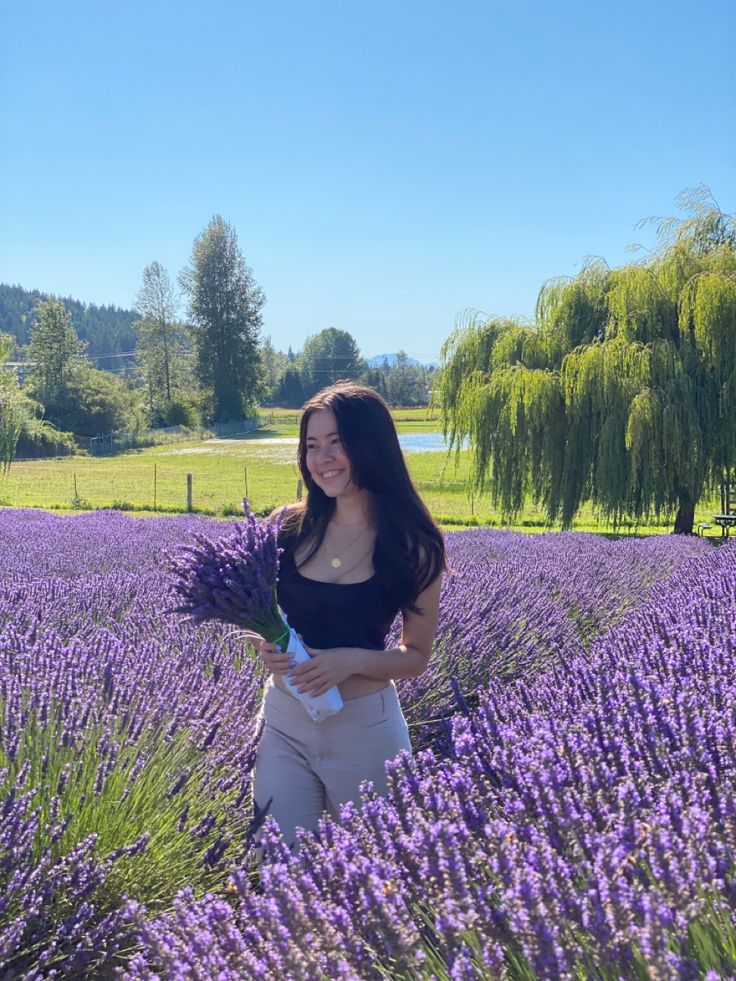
39	438
181	411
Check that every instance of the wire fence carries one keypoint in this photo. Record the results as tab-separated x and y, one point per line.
213	485
150	486
120	441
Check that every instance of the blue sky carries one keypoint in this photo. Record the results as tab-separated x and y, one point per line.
385	165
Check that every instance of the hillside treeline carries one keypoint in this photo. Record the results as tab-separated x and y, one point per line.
107	330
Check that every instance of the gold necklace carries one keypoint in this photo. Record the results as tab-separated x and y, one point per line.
351	568
336	562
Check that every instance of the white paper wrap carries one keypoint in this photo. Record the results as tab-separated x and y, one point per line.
318	708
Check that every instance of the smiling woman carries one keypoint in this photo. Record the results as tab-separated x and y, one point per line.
359	550
326	459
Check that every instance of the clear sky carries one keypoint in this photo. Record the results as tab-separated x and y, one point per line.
386	165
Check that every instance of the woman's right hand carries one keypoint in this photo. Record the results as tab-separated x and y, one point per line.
273	660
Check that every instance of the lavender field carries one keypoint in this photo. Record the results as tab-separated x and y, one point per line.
570	813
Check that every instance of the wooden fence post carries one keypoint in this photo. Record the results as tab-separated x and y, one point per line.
245	475
189	492
154	487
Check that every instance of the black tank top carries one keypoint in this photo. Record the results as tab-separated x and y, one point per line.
329	614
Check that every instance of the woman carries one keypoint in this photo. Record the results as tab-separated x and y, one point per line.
360	549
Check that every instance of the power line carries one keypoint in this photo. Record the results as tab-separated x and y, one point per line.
331	359
103	357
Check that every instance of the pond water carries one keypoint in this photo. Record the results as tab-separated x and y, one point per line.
423	442
409	443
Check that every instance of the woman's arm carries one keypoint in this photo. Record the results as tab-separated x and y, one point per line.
408	660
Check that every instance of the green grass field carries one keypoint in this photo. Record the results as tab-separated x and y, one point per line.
262	466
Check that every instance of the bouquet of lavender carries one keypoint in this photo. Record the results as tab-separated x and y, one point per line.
233	579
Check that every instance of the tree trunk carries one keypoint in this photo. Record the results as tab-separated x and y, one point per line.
685	517
167	370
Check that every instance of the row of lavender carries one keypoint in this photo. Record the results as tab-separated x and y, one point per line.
577	820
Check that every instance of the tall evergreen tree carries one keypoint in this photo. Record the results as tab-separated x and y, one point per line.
376	378
624	391
290	391
274	363
225	307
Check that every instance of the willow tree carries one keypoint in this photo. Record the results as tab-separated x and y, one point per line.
623	391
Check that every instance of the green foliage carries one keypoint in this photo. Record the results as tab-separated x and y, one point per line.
623	393
162	343
182	411
17	411
708	322
275	364
95	403
571	312
39	438
406	383
75	397
519	344
377	378
57	351
289	391
328	356
333	354
465	352
134	806
639	308
706	229
523	408
225	306
11	423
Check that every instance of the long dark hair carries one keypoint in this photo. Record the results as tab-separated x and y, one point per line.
410	551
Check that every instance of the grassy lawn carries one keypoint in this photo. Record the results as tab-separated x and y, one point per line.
222	471
263	465
399	414
413	420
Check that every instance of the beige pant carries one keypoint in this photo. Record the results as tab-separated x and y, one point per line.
306	768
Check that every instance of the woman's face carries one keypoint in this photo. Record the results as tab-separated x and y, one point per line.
327	461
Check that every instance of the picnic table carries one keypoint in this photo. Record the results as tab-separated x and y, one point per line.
726	523
726	520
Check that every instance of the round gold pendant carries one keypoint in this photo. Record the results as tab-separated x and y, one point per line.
336	563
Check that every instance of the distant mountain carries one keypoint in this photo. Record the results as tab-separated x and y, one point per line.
377	361
107	329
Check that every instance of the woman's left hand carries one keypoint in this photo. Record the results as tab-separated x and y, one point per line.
327	668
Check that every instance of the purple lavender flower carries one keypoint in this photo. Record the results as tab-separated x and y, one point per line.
232	578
